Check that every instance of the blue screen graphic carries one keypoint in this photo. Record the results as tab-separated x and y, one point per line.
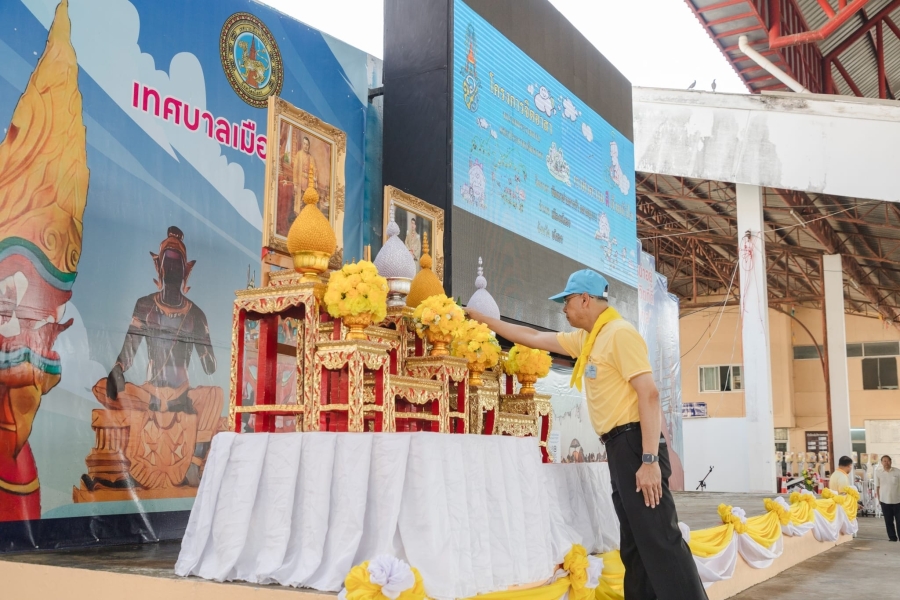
532	158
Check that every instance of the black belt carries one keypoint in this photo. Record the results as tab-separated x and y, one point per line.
605	437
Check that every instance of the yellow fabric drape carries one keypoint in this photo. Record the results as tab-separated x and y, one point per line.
784	517
709	542
803	507
554	591
612	581
827	508
610	314
764	529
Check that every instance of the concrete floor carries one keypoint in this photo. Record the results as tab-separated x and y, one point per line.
867	568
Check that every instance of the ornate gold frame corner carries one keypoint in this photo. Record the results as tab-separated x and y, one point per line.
420	207
280	109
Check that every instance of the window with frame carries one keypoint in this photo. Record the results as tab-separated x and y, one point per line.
721	378
879	373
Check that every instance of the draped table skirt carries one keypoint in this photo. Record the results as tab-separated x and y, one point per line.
474	514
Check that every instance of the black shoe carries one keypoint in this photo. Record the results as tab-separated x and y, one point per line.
893	540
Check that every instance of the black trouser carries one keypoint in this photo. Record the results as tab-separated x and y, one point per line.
891	514
658	563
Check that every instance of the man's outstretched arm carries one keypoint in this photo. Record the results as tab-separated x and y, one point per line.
519	334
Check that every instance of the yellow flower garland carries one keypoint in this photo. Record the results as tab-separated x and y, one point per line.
356	289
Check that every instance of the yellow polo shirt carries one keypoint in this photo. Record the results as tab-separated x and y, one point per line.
619	355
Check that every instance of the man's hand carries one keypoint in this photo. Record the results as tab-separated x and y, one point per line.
649	481
474	315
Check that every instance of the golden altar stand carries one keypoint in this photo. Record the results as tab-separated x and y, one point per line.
388	383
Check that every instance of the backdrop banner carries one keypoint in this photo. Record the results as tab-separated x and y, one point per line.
131	195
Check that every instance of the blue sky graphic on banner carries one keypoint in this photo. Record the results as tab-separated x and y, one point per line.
152	179
532	158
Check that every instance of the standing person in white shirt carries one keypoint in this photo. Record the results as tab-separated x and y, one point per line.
887	490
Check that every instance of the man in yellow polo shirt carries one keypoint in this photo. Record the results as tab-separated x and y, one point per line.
623	404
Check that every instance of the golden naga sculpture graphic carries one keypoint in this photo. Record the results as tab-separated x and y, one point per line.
43	192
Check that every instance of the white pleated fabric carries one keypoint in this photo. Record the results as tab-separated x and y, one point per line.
474	514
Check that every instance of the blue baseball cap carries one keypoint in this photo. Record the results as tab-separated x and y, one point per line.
583	281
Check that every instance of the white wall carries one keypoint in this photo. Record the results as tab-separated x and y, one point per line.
721	443
806	142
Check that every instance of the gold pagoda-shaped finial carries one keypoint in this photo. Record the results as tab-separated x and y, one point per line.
425	284
311	240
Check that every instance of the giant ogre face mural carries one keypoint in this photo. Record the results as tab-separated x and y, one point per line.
43	192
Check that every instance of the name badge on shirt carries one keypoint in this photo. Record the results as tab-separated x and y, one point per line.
591	372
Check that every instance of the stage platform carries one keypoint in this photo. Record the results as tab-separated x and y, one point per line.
147	571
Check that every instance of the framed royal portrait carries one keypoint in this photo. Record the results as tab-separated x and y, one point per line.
417	220
303	151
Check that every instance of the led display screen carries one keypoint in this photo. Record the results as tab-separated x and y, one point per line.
533	159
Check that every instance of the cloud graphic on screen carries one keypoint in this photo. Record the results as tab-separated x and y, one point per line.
543	101
569	110
493	134
587	132
482	122
113	58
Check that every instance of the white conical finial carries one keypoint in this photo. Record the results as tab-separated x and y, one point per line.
480	281
481	300
392	228
394	259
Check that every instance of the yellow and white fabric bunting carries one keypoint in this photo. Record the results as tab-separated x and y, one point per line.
383	578
759	541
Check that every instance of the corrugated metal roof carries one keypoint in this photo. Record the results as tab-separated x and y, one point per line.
859	60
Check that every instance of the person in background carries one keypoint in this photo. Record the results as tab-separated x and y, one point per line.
841	478
887	491
623	403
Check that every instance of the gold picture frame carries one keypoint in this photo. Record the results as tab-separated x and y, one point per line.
416	216
297	139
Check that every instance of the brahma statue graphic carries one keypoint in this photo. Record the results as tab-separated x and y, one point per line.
153	438
43	193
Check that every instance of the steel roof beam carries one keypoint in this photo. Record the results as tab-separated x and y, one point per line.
834	22
825	235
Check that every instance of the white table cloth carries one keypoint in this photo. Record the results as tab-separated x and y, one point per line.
473	513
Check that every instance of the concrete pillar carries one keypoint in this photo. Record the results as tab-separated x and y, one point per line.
757	368
837	356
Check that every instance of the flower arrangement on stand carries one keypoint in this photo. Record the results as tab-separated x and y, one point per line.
808	482
357	295
437	320
475	342
528	365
